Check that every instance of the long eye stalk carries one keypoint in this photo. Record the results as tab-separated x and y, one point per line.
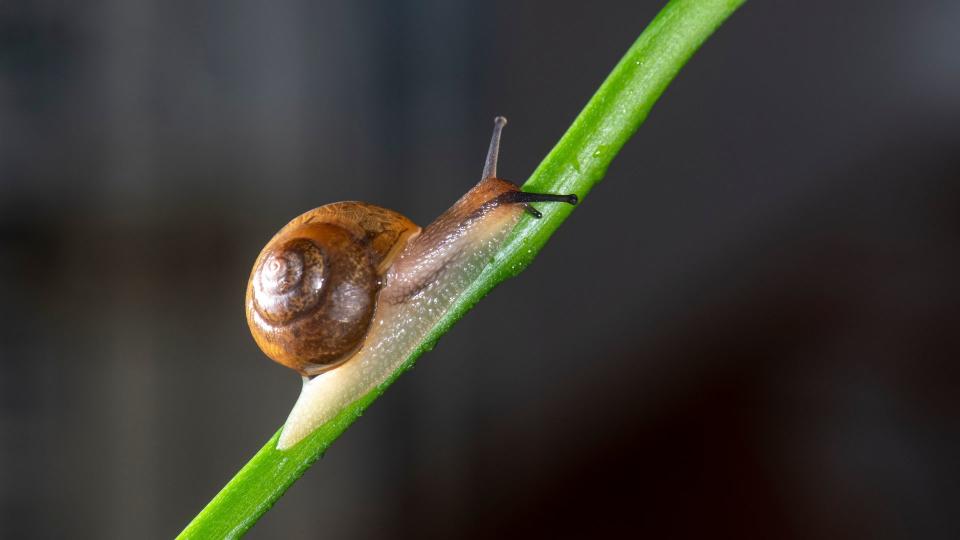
490	165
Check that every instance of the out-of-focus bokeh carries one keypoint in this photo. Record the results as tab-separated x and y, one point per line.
750	329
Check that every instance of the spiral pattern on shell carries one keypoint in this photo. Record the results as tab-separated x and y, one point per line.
311	297
314	287
290	281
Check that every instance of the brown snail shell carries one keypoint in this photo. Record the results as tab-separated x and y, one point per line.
313	289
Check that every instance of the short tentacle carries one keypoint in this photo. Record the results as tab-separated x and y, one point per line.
527	198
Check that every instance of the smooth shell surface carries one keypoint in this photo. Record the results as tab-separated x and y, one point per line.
313	289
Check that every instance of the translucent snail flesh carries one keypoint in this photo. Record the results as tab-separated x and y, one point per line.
345	292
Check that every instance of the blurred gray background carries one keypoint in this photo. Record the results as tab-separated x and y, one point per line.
749	329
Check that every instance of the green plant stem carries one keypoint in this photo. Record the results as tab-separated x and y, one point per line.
576	164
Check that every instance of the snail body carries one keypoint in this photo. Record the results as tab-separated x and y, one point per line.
344	293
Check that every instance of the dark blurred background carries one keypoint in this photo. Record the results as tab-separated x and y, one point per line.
762	336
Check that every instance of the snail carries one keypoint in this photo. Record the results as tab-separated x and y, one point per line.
345	292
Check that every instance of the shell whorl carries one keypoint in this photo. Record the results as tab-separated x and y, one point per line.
313	290
290	281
